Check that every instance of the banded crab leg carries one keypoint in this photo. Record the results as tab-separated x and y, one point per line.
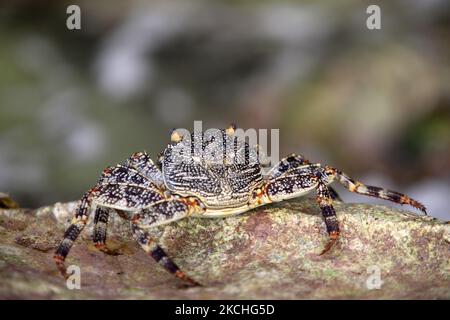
77	225
156	252
119	196
158	214
325	202
299	181
289	183
377	192
101	218
123	187
294	161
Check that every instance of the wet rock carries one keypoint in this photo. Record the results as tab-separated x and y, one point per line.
6	201
268	253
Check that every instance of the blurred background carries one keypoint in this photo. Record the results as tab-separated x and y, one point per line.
374	103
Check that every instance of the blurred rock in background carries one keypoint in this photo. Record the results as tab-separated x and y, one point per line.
374	103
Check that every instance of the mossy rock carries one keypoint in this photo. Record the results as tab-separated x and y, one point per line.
268	253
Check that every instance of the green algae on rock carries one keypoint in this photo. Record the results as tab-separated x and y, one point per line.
267	253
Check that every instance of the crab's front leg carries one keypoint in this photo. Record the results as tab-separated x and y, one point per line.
298	181
128	187
77	225
158	214
103	197
292	162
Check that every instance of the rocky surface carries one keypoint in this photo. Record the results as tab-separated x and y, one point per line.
268	253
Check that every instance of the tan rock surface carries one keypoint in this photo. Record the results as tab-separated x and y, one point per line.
268	253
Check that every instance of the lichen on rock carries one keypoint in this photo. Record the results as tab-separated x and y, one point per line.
268	253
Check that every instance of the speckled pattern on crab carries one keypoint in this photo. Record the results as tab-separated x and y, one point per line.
218	168
207	174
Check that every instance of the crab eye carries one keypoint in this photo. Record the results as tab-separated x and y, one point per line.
231	129
176	136
137	155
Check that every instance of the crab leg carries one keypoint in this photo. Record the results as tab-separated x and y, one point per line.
288	163
291	162
377	192
100	227
156	252
302	180
78	223
141	162
333	194
325	201
100	224
158	214
118	196
125	187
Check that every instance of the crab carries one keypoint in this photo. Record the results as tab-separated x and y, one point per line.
195	176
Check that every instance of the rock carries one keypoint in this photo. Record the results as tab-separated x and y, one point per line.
6	201
268	253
